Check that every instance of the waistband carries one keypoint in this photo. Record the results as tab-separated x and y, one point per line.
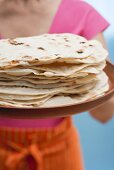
29	123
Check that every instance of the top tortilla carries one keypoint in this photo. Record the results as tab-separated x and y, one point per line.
49	48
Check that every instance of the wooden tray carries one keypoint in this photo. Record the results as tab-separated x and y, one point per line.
62	111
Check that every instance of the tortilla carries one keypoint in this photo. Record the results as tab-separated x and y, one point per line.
50	47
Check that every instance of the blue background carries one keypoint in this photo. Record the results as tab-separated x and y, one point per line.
98	139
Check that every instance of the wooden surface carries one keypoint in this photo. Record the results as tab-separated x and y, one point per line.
62	111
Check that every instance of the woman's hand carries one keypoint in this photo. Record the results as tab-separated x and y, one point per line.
104	112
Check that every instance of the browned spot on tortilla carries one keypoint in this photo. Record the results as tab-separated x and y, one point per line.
14	42
27	45
82	42
41	48
56	54
66	39
28	57
33	61
80	51
67	45
14	62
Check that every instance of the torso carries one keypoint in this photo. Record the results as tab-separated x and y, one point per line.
65	21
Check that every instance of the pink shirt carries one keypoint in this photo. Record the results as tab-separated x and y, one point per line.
73	16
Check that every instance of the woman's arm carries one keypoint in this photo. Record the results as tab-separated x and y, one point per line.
106	111
101	38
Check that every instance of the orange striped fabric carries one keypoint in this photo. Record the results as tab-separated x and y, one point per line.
55	148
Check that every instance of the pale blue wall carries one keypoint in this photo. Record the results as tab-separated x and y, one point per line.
106	8
98	140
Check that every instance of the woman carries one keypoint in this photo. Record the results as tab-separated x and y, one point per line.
52	143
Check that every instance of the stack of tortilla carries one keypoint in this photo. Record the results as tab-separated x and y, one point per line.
51	70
